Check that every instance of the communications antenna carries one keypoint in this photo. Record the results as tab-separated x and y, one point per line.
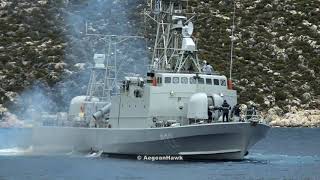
104	75
232	38
174	49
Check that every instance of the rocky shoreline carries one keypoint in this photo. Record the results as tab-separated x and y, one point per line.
297	118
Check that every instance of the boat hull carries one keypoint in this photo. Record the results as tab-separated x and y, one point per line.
219	141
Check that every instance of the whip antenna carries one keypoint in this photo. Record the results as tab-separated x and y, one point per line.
232	37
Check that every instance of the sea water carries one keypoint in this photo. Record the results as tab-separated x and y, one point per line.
284	154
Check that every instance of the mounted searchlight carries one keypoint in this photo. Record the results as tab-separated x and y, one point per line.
187	42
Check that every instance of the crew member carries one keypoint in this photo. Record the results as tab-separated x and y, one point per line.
243	112
204	66
209	115
235	113
225	109
251	111
209	69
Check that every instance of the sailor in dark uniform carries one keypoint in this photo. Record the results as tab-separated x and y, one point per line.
209	115
225	110
235	113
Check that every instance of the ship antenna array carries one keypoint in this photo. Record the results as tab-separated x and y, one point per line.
232	38
174	47
110	65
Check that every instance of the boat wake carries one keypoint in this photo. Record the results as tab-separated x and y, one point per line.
94	154
16	151
87	154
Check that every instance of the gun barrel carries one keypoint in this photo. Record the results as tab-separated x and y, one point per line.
105	110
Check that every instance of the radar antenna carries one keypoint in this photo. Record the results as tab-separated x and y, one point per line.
174	49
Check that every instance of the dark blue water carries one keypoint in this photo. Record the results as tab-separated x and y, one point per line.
284	154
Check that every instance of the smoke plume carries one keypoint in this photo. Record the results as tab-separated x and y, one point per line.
87	26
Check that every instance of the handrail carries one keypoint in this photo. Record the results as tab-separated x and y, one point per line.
255	118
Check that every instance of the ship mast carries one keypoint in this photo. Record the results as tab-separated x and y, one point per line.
174	49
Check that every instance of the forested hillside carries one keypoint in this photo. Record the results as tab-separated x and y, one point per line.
44	47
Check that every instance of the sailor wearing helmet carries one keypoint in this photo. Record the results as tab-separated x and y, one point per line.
204	66
207	68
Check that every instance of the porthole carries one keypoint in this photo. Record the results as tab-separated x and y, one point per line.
192	80
176	80
167	80
184	80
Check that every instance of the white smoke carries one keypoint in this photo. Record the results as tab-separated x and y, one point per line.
103	17
89	24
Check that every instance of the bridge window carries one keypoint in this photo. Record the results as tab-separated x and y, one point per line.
176	80
159	80
223	82
201	81
209	81
184	80
167	80
216	82
192	80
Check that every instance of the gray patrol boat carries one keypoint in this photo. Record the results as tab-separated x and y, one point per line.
164	113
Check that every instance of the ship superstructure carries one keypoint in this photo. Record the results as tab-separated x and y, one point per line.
175	79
